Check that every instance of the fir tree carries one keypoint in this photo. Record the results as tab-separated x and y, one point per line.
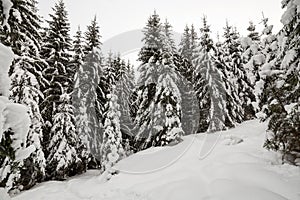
149	56
78	98
237	75
20	31
62	144
284	100
112	149
92	36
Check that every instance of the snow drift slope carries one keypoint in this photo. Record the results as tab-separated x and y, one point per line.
237	168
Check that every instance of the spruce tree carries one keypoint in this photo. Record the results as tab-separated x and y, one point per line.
237	75
112	149
20	30
284	100
87	78
92	36
78	98
210	84
62	144
149	56
124	88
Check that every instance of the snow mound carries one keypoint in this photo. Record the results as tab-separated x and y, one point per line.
228	172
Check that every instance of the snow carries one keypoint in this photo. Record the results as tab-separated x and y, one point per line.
6	5
236	168
7	57
245	42
3	194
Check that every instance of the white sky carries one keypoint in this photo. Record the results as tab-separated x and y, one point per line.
117	16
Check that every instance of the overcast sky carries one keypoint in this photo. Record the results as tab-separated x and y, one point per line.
117	16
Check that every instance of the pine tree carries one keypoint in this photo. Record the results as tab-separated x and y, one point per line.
21	33
92	36
253	58
269	50
284	100
169	43
149	56
124	89
237	75
185	44
89	113
112	150
210	85
167	112
78	98
62	144
15	141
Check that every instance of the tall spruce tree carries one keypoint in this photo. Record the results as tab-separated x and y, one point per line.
210	84
62	144
284	108
91	90
78	95
112	149
149	56
237	75
20	30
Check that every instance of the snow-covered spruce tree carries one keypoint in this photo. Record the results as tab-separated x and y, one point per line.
61	142
78	98
14	130
253	59
200	85
87	90
166	120
124	88
284	106
169	43
210	85
269	50
187	46
149	56
237	75
20	30
92	36
112	150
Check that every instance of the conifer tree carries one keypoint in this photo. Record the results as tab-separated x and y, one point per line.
112	149
284	100
78	95
124	89
149	56
62	144
87	78
210	85
92	36
20	30
237	75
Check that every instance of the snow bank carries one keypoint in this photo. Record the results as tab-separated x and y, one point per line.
238	167
6	58
3	194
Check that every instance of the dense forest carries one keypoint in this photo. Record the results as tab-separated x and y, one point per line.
65	107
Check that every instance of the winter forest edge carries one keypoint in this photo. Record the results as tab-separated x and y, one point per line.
66	108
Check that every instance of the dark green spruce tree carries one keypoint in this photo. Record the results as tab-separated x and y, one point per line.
62	143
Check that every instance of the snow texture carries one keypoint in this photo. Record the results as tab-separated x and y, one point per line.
3	194
240	170
7	57
6	5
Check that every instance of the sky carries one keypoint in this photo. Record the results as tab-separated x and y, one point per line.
118	16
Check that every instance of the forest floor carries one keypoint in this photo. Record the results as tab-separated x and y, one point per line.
228	165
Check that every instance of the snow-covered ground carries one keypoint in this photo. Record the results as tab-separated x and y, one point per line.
238	167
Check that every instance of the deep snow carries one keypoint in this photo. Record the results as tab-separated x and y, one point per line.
238	167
